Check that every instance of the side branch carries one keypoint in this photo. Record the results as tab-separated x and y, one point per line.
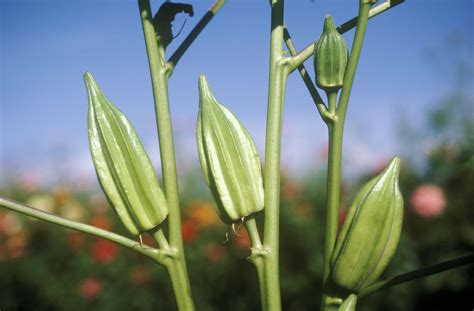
306	53
417	274
313	91
174	59
153	253
387	5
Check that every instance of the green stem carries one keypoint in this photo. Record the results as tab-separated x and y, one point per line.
332	101
159	256
160	239
180	283
387	5
353	60
160	93
336	132
159	76
413	275
257	257
251	227
178	276
276	93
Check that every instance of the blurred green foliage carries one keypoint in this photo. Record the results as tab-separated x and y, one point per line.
44	267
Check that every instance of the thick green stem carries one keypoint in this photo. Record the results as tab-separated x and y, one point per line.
159	81
335	130
159	76
257	257
417	274
276	92
178	276
180	283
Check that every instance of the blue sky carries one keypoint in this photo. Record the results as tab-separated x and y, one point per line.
46	46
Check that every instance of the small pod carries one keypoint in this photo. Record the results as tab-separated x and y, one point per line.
229	159
123	167
370	233
330	58
349	303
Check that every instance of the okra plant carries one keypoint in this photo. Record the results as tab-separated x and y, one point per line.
354	258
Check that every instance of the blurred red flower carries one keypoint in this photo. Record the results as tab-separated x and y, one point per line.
428	200
189	230
90	288
342	216
242	239
104	250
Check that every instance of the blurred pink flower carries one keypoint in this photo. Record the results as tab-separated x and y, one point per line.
90	288
428	200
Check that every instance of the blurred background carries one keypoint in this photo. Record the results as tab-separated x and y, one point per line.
413	96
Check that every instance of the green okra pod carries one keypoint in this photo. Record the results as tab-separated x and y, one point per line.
370	233
229	159
330	58
122	165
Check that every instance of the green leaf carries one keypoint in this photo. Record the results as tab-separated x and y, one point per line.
229	159
122	165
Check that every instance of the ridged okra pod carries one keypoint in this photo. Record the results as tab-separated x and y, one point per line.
370	233
122	165
229	159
